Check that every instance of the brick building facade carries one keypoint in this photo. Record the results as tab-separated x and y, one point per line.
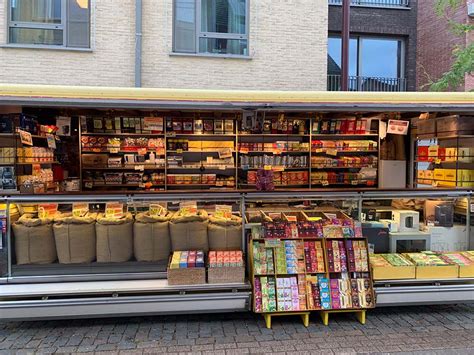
385	22
286	50
436	42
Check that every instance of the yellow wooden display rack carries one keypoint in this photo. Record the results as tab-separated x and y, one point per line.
304	314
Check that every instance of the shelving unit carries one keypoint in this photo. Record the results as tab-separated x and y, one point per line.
309	278
292	168
442	158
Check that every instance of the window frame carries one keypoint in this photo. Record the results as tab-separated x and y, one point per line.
359	37
198	33
38	25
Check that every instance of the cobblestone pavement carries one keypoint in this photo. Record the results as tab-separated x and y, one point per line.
424	330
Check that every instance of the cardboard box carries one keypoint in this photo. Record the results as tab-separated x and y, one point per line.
437	272
229	274
187	276
426	128
408	221
94	160
449	239
454	125
393	272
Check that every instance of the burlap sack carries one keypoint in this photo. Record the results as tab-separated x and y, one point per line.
75	238
189	232
225	234
34	240
114	238
151	237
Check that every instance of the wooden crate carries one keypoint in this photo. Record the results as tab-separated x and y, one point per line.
226	274
188	276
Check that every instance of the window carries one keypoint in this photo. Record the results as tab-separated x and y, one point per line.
374	59
211	27
61	23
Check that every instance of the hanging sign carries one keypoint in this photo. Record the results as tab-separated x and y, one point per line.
51	141
25	137
398	127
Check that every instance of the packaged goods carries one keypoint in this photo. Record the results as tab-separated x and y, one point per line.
188	231
114	238
151	237
34	240
225	234
75	238
226	267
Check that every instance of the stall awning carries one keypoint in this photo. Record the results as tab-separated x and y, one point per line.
153	98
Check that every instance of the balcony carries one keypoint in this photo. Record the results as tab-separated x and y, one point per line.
375	3
366	83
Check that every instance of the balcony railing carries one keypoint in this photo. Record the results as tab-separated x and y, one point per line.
367	83
377	3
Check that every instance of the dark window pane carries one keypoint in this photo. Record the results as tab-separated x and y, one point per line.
185	26
41	11
78	24
335	56
36	36
380	58
223	16
223	46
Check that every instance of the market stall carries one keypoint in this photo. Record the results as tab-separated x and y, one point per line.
168	201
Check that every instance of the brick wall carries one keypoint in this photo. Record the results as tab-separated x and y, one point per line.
288	41
435	44
383	22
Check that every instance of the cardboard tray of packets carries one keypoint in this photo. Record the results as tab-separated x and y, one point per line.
430	265
187	268
464	260
226	267
391	267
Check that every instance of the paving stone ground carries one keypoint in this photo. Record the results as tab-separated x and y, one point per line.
419	330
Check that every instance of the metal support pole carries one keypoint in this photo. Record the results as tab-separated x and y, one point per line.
138	43
346	10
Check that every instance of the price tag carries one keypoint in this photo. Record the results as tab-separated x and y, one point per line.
155	209
171	134
51	141
331	152
114	209
47	210
267	167
244	150
179	151
294	230
80	209
142	151
355	182
272	243
225	153
291	218
140	167
434	183
142	185
222	167
114	150
188	207
437	161
89	185
319	150
278	168
276	151
325	183
223	211
25	137
472	207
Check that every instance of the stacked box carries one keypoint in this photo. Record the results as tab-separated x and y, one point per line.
258	294
280	262
262	259
313	292
336	253
288	294
309	229
187	259
355	294
365	293
314	256
324	292
335	294
268	294
357	256
302	292
345	293
225	259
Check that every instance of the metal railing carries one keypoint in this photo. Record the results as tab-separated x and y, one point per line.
377	3
367	83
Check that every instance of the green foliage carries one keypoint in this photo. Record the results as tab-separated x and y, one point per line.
463	56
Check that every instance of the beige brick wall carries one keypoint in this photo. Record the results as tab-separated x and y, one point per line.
288	40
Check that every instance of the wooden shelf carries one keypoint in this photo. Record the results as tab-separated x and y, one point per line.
119	152
124	134
276	168
241	135
199	152
342	136
271	152
207	135
342	167
199	168
123	168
